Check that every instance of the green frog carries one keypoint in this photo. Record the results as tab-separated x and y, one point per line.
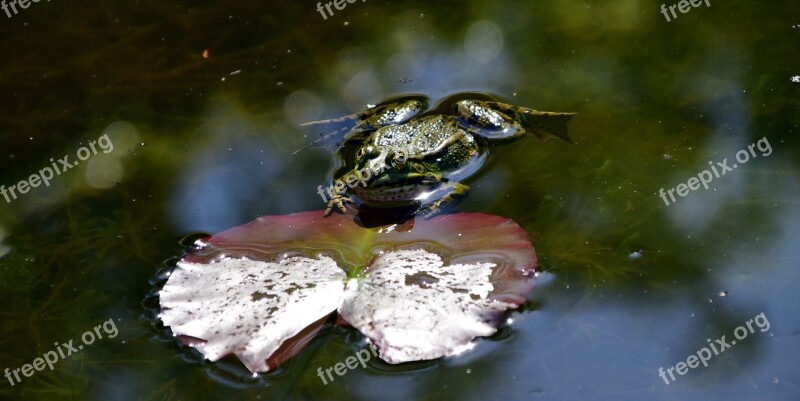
399	154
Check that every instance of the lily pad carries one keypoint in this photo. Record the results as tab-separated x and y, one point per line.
413	307
247	307
419	291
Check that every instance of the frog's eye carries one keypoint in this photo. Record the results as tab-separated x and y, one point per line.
399	160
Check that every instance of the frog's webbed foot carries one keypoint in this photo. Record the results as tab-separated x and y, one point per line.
336	135
333	132
542	123
339	202
456	193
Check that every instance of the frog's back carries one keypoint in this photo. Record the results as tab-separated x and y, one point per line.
417	137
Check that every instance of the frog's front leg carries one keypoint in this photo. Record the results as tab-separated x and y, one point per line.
340	202
456	192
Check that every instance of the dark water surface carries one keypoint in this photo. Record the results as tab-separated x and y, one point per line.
628	285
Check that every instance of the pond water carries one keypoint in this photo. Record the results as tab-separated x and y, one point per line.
182	117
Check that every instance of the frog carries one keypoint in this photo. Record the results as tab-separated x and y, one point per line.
400	153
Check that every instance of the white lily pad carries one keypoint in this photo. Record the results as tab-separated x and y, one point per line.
413	307
249	308
421	291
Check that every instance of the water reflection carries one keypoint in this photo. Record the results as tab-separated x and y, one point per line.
698	210
4	249
623	303
629	279
235	174
105	170
416	61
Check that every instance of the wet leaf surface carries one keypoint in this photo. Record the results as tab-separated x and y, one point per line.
248	308
418	291
413	307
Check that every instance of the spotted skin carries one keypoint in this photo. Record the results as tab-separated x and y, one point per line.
423	156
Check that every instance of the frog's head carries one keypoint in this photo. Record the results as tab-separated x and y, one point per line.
392	167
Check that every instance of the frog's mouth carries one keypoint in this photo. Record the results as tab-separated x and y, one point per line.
391	177
394	192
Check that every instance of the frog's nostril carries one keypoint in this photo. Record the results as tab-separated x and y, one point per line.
367	151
